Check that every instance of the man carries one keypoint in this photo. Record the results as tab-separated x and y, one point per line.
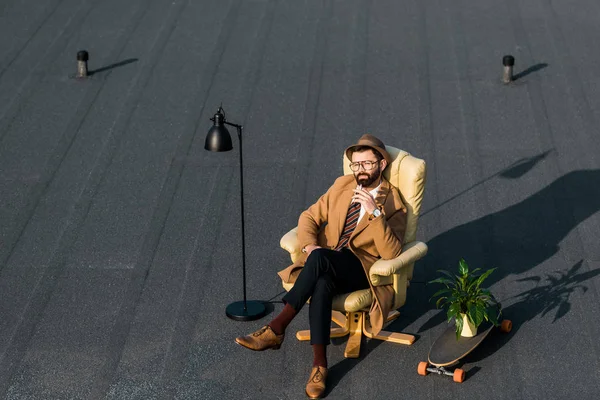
360	219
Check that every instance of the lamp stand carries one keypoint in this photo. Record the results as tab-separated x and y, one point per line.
244	310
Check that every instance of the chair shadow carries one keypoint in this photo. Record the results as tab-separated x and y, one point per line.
338	371
530	70
112	66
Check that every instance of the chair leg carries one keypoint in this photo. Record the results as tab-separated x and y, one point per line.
336	317
393	315
400	338
356	330
339	318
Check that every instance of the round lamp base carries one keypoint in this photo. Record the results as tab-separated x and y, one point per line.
254	310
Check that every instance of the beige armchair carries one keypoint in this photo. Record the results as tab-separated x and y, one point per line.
351	310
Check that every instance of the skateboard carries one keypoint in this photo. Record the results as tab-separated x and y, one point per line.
446	351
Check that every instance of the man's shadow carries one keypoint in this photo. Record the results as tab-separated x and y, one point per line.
515	240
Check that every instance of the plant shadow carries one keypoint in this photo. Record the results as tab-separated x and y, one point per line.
550	294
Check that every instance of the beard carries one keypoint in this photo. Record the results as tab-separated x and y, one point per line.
367	179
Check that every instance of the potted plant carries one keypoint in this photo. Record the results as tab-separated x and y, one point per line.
465	300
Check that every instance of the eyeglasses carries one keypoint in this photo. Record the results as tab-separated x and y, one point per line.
367	165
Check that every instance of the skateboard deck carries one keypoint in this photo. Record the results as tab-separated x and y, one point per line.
447	350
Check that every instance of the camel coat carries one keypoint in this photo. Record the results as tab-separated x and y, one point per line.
322	225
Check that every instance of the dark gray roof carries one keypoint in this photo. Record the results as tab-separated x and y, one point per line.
120	237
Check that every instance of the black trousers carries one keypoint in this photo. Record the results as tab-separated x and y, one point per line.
325	274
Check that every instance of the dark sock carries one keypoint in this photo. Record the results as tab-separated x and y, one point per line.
284	318
320	355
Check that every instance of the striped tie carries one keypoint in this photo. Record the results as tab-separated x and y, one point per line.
351	222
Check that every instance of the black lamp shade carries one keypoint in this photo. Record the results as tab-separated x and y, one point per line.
218	137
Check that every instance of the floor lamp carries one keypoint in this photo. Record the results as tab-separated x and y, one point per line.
219	139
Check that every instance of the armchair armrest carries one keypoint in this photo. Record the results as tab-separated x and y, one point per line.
381	269
289	242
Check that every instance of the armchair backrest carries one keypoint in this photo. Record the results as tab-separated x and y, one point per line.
407	174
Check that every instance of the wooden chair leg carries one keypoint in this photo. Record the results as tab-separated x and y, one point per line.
339	318
356	329
393	315
400	338
336	317
303	335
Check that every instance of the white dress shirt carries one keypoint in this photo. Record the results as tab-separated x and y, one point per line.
374	194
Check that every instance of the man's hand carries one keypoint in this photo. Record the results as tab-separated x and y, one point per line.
367	201
308	249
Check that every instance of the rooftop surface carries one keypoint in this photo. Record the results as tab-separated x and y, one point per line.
120	236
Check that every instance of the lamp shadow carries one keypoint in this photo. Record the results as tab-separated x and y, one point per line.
522	166
529	70
270	303
112	66
513	171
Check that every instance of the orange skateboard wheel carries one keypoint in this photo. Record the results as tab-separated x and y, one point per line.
422	368
459	375
506	326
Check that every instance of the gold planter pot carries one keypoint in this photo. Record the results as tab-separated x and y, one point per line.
469	329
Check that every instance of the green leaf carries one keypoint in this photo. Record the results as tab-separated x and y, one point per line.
440	302
443	281
452	312
459	326
448	274
476	314
474	273
442	292
484	276
454	309
463	268
473	282
492	315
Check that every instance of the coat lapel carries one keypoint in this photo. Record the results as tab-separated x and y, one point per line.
382	194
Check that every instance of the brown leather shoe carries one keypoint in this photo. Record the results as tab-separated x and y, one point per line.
315	388
262	339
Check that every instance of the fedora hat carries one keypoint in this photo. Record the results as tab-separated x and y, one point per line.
372	142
